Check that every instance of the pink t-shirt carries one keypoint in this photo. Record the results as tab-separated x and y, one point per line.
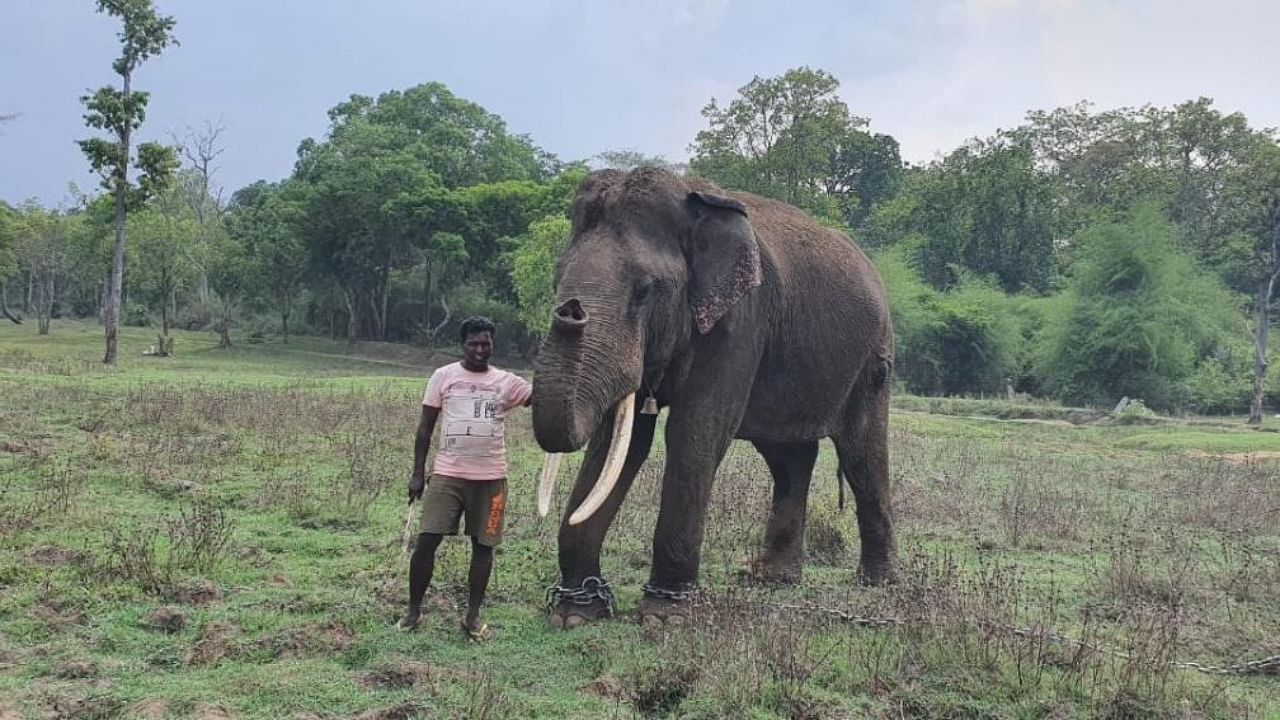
473	407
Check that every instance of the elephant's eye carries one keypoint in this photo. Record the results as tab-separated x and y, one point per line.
644	291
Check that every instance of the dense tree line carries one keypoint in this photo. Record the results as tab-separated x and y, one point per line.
1083	255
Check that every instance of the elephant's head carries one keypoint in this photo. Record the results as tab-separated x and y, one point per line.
651	262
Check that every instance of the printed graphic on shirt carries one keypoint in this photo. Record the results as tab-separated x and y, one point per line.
473	426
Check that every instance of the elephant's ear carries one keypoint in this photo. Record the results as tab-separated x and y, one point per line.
724	257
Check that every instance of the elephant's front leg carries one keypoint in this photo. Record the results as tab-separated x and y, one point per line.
697	437
581	594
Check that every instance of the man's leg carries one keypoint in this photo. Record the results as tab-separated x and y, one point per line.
478	581
422	566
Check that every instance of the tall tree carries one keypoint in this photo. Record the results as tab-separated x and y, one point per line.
162	261
201	147
41	239
120	112
8	258
265	219
792	138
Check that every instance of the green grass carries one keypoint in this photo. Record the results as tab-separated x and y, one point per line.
1157	539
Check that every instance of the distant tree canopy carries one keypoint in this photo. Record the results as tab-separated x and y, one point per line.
1084	254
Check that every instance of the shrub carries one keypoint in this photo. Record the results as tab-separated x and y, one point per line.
1137	317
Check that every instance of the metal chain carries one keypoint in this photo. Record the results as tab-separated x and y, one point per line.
1253	667
592	589
654	591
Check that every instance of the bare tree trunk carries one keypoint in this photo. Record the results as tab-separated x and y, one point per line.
44	302
27	299
224	341
4	305
115	291
1265	289
448	314
286	307
353	324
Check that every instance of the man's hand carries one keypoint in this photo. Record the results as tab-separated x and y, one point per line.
416	485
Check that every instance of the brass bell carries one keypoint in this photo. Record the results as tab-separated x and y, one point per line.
650	406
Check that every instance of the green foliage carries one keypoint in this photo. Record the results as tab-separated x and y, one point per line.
984	210
966	340
121	111
792	138
163	251
533	265
1138	316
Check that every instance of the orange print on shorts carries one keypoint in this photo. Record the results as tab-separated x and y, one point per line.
496	504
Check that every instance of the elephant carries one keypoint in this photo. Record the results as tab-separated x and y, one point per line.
741	317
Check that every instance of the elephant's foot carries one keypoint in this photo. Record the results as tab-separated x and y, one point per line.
881	572
661	606
773	569
573	607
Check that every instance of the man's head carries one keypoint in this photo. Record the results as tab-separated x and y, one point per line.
476	335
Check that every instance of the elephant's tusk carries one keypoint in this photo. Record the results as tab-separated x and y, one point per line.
547	482
618	447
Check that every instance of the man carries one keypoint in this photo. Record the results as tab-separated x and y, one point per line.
469	475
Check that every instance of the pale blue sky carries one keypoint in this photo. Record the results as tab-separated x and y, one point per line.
581	77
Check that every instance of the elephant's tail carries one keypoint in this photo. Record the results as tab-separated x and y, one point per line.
842	477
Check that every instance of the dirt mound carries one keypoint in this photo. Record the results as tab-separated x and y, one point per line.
199	593
148	710
57	615
75	669
214	645
212	712
607	687
325	638
400	677
50	556
166	620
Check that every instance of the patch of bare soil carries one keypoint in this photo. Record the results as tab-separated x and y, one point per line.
49	556
84	708
402	711
57	615
607	687
21	447
214	645
75	669
8	714
401	676
325	638
1249	458
212	712
167	620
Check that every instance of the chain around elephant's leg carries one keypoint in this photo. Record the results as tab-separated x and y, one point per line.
576	606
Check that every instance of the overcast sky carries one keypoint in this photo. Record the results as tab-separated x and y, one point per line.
584	76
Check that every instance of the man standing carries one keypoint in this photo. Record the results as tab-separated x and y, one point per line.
469	475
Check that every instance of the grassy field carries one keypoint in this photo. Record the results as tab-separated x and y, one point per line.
217	535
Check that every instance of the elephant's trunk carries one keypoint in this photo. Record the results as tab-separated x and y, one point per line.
584	371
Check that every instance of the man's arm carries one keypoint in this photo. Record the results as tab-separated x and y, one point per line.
421	446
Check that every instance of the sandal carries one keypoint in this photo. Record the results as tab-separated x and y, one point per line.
478	634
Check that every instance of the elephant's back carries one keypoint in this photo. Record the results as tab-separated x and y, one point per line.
831	316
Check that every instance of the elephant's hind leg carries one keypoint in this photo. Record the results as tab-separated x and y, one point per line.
863	447
792	467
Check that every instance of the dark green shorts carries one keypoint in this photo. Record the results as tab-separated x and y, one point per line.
482	502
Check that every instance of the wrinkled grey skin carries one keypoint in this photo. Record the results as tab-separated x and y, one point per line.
748	320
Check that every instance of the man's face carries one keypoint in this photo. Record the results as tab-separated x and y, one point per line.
477	348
